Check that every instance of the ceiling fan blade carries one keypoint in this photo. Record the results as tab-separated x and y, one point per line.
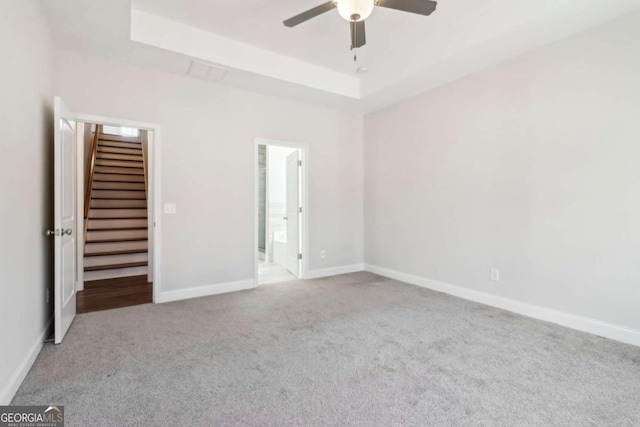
311	13
421	7
358	37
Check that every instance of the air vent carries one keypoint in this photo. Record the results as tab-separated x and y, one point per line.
202	70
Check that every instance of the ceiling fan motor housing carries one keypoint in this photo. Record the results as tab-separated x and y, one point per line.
355	10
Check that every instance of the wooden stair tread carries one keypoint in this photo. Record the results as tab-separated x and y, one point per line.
123	252
116	159
117	228
117	170
120	217
120	138
119	144
116	282
137	164
115	266
119	186
120	150
117	240
115	177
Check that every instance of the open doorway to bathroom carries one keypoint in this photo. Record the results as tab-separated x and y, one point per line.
279	202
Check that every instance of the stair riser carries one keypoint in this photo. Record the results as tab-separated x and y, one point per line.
113	247
120	150
115	194
112	274
123	157
119	171
117	144
95	261
117	223
119	138
103	177
120	163
93	236
118	185
117	213
119	204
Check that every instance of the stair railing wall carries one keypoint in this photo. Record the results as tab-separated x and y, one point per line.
90	169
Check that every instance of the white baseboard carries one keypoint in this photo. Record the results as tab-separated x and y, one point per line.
203	291
10	389
573	321
334	271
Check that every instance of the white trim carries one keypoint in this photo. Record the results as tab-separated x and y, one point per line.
10	389
334	271
304	157
573	321
80	205
155	183
203	291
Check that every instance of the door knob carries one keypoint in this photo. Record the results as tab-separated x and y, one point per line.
68	232
51	233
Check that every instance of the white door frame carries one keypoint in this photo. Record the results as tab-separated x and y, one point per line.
304	201
153	170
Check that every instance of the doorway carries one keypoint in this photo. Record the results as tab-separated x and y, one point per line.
71	226
114	254
280	196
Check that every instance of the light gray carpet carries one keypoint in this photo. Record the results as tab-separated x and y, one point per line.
356	350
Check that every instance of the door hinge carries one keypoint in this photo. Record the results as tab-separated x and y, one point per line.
300	209
299	256
299	162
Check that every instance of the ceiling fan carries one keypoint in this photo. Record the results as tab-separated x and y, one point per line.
356	11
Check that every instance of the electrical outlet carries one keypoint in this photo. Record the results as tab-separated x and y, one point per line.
170	208
495	274
323	254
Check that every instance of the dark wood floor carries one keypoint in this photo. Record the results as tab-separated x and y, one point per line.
114	293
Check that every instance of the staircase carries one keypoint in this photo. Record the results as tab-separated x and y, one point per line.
116	242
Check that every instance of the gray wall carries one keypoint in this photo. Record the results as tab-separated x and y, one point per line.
208	164
532	167
26	186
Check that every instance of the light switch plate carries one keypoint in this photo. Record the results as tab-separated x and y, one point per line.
170	208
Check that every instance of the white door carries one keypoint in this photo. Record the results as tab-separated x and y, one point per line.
64	153
293	213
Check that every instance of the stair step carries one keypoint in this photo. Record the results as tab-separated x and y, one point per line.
119	138
119	194
90	276
119	170
111	177
99	185
114	283
117	213
121	150
122	157
115	266
117	229
124	252
104	236
118	144
121	163
118	204
98	260
95	248
107	224
115	240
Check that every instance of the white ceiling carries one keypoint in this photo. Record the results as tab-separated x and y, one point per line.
405	53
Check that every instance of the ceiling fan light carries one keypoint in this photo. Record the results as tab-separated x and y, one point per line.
355	10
